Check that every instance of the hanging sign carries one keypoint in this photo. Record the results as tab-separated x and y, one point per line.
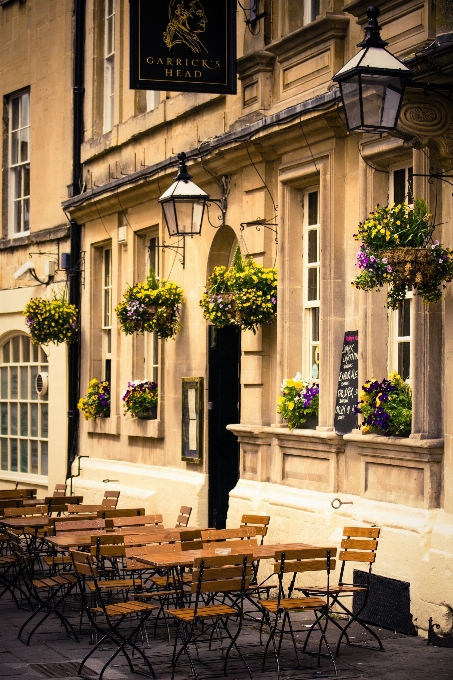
183	45
345	418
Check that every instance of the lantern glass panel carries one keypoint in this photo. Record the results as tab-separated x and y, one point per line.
381	97
170	217
350	92
189	215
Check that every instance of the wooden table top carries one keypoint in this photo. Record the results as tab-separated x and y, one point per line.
36	522
179	558
82	539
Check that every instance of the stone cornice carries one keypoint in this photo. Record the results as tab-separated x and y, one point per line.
252	63
42	236
328	26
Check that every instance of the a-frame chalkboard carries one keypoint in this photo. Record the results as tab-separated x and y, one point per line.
345	419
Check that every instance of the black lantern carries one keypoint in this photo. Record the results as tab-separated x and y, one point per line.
183	203
372	83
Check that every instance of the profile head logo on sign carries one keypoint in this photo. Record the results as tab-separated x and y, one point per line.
183	45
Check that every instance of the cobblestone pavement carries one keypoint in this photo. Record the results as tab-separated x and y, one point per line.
52	654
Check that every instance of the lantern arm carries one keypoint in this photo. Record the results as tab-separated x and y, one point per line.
221	203
445	91
433	174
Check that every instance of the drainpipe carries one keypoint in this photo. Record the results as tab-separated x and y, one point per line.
74	274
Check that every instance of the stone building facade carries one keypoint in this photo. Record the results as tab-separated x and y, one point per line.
283	144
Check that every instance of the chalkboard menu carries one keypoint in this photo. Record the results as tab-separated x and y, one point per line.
345	419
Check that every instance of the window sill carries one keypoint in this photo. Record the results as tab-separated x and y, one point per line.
133	427
24	477
104	425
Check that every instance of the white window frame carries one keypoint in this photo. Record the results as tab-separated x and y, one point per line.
13	428
310	12
152	100
152	342
109	65
310	346
19	167
107	310
395	338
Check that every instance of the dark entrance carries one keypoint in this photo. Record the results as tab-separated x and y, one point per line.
223	397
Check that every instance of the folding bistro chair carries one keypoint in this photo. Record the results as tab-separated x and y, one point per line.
111	499
184	515
358	545
277	612
260	522
113	614
212	576
48	592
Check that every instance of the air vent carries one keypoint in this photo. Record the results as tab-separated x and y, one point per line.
42	383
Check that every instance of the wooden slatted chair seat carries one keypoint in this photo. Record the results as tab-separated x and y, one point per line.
294	603
113	584
124	608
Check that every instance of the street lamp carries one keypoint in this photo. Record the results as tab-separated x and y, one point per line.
183	203
372	83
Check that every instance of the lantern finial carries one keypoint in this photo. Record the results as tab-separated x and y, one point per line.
372	30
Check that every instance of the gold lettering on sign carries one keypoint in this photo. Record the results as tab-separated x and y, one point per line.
187	19
169	72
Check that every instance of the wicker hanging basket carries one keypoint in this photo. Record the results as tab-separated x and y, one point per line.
411	266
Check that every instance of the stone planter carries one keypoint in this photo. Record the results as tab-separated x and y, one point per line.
148	414
311	423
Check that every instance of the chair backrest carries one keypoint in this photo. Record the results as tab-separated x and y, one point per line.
260	522
221	574
300	561
69	520
127	512
55	502
237	547
18	550
184	515
17	493
108	545
60	490
11	503
359	545
78	509
38	510
152	538
81	525
141	520
210	535
110	499
83	564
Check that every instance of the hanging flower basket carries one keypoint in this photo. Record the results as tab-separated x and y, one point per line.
96	402
140	399
151	307
299	405
386	406
396	249
51	321
244	295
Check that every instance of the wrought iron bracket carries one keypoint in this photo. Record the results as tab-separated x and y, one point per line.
432	175
260	222
433	87
221	203
176	248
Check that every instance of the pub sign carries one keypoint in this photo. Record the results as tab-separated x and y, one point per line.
183	45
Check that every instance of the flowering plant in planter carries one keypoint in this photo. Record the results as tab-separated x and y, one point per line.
140	397
396	249
150	306
96	402
51	321
300	400
244	295
386	406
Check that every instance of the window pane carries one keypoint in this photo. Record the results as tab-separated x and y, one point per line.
404	359
4	418
404	319
34	419
13	418
313	245
44	458
4	383
16	349
13	444
34	457
14	380
34	373
24	382
35	349
44	421
24	420
315	324
24	145
26	180
399	186
25	349
26	214
313	284
313	208
23	455
15	113
4	454
25	117
43	358
14	148
6	353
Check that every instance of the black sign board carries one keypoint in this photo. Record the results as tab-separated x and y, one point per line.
183	45
345	419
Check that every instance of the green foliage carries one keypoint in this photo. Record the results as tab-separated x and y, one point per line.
244	295
96	402
51	321
151	307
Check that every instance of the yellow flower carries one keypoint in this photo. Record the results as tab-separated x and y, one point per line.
280	400
290	383
290	405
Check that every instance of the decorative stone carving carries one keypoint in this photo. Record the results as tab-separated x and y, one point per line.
429	118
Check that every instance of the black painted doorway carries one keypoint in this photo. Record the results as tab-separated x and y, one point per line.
223	409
